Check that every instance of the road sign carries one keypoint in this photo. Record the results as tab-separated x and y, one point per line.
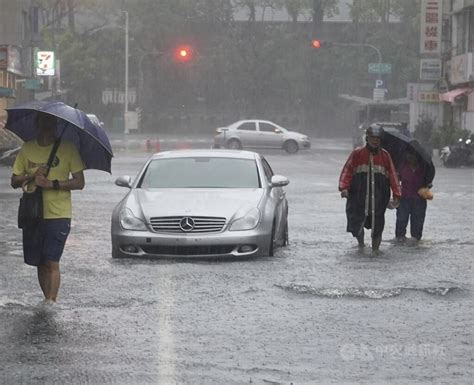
428	96
430	69
7	92
378	83
380	68
379	94
45	63
33	84
131	120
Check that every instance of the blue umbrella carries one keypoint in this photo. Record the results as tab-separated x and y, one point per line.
73	125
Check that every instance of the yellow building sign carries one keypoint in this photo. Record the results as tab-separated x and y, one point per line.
428	96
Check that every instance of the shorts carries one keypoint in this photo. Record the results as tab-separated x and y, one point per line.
46	241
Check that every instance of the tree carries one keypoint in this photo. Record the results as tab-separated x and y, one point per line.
61	14
372	10
239	68
83	73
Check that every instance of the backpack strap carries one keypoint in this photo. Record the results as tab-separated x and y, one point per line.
52	155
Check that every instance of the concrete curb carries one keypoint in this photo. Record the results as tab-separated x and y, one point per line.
156	145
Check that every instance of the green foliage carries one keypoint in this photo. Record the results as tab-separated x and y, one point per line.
248	68
85	73
370	11
424	129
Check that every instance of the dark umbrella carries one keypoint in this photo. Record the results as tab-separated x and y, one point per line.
398	144
73	125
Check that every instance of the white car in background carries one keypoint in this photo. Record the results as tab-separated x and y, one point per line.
255	133
94	119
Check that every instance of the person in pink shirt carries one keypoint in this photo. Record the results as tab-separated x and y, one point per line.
412	206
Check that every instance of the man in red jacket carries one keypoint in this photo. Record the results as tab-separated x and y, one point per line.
366	180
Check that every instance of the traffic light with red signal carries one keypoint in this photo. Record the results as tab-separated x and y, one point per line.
183	53
318	43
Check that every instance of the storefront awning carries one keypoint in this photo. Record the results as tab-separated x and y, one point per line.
453	94
366	101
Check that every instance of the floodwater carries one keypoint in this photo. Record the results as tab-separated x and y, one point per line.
320	312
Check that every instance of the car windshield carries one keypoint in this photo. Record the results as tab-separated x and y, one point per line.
201	172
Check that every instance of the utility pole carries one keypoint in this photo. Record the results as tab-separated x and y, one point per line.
125	113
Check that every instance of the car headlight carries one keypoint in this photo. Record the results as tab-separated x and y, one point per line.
246	222
130	222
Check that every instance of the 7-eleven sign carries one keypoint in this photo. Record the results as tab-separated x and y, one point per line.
45	63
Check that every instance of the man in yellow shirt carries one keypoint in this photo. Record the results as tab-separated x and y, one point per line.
66	174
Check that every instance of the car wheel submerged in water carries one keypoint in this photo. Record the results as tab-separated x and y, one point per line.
291	147
116	251
286	238
234	144
271	248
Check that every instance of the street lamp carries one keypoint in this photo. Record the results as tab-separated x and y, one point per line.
125	112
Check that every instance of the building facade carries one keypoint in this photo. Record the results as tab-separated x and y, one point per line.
458	99
18	23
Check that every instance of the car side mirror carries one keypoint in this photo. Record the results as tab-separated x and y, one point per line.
124	181
279	181
278	131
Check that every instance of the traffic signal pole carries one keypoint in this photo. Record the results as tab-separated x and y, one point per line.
379	55
379	83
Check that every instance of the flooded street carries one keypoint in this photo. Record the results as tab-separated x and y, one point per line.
320	312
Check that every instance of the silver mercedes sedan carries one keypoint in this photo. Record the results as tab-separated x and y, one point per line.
201	204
